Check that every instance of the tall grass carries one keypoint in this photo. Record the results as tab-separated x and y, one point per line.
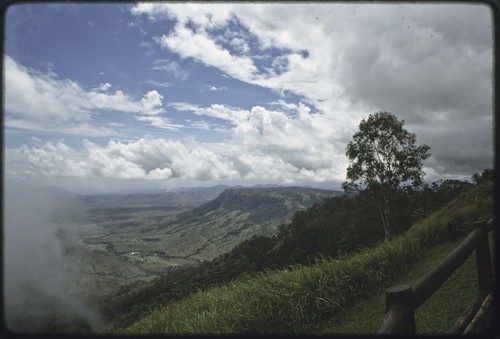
289	301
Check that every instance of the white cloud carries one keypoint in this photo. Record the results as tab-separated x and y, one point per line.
159	122
184	12
27	92
152	103
54	158
314	78
171	67
79	128
284	104
230	114
145	158
349	60
158	83
203	125
215	89
262	144
200	46
344	61
240	44
104	87
115	124
148	46
303	76
304	142
39	101
350	48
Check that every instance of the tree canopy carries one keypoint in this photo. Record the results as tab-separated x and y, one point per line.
486	175
384	160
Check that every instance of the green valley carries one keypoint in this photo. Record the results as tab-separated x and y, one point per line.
302	298
128	240
246	259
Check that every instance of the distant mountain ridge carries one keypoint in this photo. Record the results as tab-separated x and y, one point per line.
191	224
171	200
258	197
217	189
238	213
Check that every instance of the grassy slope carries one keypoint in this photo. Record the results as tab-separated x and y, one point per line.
436	315
291	301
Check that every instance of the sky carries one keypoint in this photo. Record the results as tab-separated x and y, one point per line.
122	96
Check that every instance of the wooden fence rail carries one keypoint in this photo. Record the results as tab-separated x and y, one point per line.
401	301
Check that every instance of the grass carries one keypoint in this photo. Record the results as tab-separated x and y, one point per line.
436	315
284	301
293	300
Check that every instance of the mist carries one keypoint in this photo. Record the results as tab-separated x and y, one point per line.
41	293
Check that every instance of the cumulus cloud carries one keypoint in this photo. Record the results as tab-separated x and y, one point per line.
263	144
145	158
42	101
302	140
428	64
103	87
152	103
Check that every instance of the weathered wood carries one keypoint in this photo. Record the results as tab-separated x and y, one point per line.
470	312
490	225
399	317
483	319
402	300
424	287
397	295
483	257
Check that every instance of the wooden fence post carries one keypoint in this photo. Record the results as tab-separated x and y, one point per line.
483	258
401	301
400	318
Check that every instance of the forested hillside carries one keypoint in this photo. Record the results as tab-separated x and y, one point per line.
238	213
301	298
336	226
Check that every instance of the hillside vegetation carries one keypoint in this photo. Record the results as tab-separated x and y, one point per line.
175	247
151	226
291	299
217	226
437	315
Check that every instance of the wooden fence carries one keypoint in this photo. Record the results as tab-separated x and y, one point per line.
401	301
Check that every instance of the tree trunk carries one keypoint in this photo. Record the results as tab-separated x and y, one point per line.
384	214
387	228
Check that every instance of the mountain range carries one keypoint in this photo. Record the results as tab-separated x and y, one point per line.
236	214
162	231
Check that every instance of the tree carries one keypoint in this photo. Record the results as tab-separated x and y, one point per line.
384	163
486	175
